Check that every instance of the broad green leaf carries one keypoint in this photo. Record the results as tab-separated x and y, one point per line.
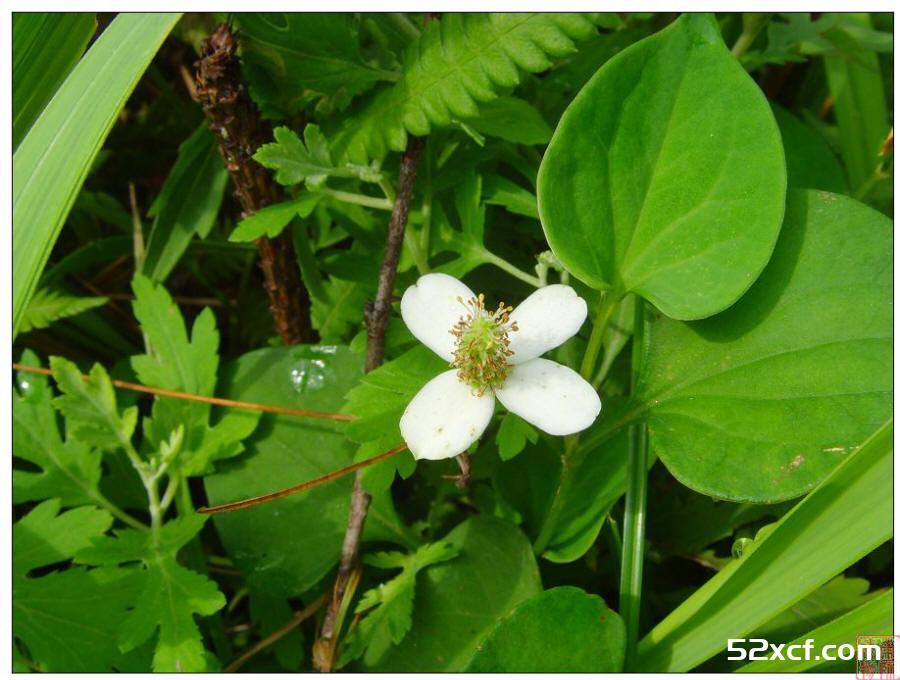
286	546
53	160
48	306
89	406
562	630
760	402
854	80
169	594
187	204
512	436
512	119
810	162
590	484
458	601
45	48
852	508
874	615
389	607
67	619
272	220
69	470
666	175
286	55
458	63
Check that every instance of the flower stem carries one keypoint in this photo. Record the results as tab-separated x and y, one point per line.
595	342
635	508
511	269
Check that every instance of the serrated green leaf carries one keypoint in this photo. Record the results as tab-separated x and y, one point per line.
47	306
288	55
69	470
390	605
272	220
90	407
44	537
456	64
309	161
170	595
187	364
67	619
450	616
680	195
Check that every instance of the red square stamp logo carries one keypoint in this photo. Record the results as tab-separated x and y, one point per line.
875	657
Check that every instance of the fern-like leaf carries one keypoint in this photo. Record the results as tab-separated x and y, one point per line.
457	63
48	306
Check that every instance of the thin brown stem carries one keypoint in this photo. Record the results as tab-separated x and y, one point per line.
216	401
240	131
298	618
377	319
303	486
380	313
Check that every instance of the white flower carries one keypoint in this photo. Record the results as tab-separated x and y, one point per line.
492	354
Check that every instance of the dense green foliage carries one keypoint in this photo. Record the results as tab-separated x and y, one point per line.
718	188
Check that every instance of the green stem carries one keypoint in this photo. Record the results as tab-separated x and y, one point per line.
753	23
635	508
306	259
425	243
117	512
421	263
595	342
360	199
511	269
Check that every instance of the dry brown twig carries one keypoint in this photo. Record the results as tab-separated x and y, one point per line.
239	129
377	322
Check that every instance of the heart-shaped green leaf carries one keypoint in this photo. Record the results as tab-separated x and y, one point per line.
760	402
284	547
666	175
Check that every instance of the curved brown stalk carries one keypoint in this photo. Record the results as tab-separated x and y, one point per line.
303	486
216	401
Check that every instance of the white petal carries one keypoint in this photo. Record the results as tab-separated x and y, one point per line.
546	319
430	309
550	396
444	418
